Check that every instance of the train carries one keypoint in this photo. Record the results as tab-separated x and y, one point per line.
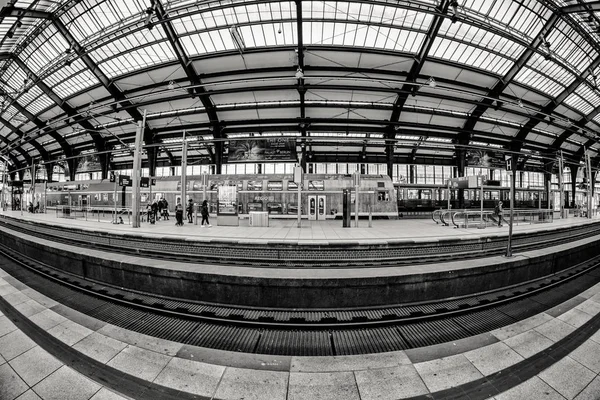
426	198
277	194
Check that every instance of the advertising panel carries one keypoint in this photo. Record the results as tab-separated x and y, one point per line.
485	159
267	149
89	163
227	196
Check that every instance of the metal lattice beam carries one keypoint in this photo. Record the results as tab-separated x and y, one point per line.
503	83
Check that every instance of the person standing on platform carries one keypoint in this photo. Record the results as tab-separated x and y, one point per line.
498	211
155	210
190	209
165	204
179	213
204	212
160	208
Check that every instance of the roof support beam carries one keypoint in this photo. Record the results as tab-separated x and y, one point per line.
187	65
40	149
576	8
99	141
550	107
498	89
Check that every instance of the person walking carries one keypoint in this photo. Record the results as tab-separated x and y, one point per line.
189	210
179	213
498	211
204	212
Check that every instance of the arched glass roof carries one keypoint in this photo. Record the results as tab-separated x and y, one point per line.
410	81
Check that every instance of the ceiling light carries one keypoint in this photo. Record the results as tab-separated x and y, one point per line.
19	23
454	6
299	73
413	91
9	34
149	23
549	53
520	103
171	85
431	82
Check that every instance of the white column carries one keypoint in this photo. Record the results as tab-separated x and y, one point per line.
136	174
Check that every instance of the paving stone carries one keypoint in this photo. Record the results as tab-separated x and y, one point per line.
158	345
555	330
40	298
29	395
590	307
144	364
11	385
588	354
567	377
69	332
34	365
47	319
528	343
7	289
66	384
447	372
522	326
106	394
493	358
390	383
16	298
531	389
29	308
348	363
99	347
6	325
190	376
575	317
322	386
15	343
591	391
238	383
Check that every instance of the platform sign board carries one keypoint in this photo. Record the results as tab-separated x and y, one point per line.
89	163
485	159
458	183
263	149
227	196
125	180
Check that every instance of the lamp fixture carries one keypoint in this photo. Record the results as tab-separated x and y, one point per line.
431	82
549	53
299	73
149	13
171	85
520	103
454	6
413	91
238	40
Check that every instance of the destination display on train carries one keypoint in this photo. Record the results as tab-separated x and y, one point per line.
264	149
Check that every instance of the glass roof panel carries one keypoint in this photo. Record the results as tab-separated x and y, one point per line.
578	103
44	50
35	101
545	75
65	72
590	95
15	78
459	52
463	32
89	17
130	42
140	58
538	81
75	84
571	47
526	17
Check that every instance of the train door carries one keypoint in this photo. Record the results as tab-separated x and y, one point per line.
83	201
316	207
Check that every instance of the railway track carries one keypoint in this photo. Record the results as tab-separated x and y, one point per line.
303	332
281	255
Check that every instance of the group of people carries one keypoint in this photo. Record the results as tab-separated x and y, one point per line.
157	209
190	211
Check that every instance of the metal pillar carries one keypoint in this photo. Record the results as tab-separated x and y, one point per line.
136	173
298	180
184	148
590	179
560	183
513	162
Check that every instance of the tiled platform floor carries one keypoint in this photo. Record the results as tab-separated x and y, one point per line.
287	230
29	372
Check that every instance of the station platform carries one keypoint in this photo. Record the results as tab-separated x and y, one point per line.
49	351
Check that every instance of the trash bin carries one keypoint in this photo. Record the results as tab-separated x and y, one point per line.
565	213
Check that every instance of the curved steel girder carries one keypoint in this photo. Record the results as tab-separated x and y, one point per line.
43	153
503	83
550	107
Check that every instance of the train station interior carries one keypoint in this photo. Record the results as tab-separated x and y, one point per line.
299	200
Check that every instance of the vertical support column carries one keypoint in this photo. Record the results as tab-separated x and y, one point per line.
460	170
561	185
33	184
184	148
136	174
2	196
548	189
574	171
590	180
389	159
298	179
513	166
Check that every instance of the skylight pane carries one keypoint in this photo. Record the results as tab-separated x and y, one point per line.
571	47
140	58
469	55
578	103
534	79
76	84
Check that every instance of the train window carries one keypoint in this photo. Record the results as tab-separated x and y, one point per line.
316	185
255	185
380	184
254	206
292	208
383	196
239	186
292	185
274	185
275	208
